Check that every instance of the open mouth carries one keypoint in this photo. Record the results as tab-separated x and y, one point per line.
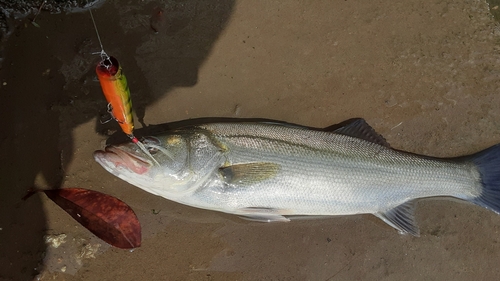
119	158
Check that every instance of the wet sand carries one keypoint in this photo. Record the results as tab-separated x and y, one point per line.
425	75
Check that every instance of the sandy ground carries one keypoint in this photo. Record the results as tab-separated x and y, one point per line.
424	74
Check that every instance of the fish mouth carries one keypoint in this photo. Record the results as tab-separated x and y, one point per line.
113	158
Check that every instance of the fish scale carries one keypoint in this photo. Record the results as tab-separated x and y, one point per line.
271	171
342	179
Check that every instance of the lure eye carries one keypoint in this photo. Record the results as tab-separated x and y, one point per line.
108	66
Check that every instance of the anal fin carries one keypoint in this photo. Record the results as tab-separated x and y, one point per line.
401	218
262	214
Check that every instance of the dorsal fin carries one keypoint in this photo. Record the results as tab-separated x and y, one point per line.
358	128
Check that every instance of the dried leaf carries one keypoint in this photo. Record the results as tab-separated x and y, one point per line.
106	216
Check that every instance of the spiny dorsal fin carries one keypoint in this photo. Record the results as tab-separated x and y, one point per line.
401	218
361	130
248	173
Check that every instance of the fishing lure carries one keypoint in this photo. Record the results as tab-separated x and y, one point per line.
115	88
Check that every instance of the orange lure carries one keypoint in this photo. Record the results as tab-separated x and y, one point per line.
115	88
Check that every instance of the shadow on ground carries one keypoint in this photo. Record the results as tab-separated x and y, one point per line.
48	87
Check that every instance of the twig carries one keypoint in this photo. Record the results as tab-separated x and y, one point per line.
37	13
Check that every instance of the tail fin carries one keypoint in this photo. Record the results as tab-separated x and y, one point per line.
488	164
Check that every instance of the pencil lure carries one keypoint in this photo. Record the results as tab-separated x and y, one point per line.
115	88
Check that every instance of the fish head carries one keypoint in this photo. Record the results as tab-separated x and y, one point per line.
162	169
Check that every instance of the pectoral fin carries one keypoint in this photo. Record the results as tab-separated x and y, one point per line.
401	218
262	214
248	173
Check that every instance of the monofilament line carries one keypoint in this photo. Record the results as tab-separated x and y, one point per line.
103	53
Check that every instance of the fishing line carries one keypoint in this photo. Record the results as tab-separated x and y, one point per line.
102	53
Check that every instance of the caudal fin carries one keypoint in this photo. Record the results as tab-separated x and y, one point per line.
488	164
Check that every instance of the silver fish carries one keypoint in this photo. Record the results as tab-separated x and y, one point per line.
271	171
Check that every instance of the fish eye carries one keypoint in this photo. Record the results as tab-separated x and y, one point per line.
151	143
152	150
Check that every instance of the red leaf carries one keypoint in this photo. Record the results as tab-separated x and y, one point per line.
106	216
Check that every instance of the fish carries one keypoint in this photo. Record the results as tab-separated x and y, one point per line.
272	171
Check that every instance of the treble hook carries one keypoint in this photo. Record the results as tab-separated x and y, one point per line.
111	116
